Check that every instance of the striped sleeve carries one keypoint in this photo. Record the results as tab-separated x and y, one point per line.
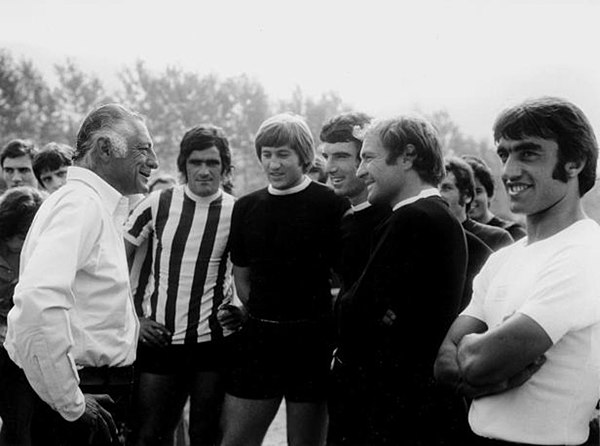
139	226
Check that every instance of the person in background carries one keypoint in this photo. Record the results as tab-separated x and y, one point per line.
16	159
284	242
458	189
50	165
527	348
484	192
73	330
317	172
18	206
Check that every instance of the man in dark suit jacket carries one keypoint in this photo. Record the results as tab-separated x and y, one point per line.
393	319
458	189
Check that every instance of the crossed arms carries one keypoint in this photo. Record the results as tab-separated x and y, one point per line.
478	361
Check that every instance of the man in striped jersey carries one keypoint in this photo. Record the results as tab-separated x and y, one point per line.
181	340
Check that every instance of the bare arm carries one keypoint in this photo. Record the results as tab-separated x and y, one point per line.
230	316
241	276
446	369
515	346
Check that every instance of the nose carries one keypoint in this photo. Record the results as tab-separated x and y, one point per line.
274	163
511	169
152	160
330	166
203	169
361	172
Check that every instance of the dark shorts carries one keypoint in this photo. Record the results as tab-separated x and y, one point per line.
273	360
202	357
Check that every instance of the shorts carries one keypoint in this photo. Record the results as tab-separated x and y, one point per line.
178	358
273	360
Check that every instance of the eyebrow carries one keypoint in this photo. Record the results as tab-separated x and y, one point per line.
521	146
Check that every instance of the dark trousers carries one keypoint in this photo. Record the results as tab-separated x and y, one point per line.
27	420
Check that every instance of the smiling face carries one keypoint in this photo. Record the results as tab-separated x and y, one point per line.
479	205
129	174
527	174
204	171
341	166
385	182
282	166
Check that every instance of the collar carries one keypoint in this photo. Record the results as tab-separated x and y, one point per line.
361	206
203	200
116	203
425	193
292	190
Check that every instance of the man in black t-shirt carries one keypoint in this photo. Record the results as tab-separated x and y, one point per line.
284	241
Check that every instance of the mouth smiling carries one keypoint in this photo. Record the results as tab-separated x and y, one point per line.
515	189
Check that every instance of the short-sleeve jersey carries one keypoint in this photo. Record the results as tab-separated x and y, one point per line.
192	274
554	282
290	243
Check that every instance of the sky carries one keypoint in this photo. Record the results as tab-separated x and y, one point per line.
384	57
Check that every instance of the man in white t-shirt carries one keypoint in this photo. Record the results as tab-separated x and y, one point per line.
527	348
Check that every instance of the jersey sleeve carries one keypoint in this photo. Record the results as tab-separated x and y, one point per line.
140	223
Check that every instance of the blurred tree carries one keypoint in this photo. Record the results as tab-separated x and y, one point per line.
76	94
175	100
316	112
27	107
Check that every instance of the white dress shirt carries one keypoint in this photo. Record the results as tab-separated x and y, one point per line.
73	305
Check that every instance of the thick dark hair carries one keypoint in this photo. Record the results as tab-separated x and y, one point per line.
465	181
204	137
287	129
17	148
17	209
397	133
341	128
558	120
482	173
105	118
52	157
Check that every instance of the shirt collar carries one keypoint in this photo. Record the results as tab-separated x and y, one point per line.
199	199
112	199
361	206
292	190
428	192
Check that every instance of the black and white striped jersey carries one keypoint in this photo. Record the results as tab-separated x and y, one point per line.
190	267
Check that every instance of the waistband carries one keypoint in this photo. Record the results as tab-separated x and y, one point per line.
106	376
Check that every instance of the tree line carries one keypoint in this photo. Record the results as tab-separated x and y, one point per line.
172	101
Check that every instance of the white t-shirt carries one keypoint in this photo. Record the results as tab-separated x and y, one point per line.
556	282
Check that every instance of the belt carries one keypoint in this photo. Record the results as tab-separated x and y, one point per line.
106	376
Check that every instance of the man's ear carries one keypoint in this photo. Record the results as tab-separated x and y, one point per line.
104	148
573	168
408	156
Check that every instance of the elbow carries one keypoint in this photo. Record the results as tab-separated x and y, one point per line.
473	369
